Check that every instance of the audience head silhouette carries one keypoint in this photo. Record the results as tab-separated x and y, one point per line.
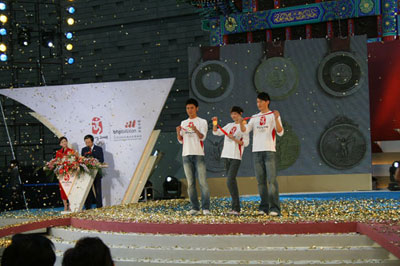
88	251
29	250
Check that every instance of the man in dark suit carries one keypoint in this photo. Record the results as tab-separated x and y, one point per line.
94	151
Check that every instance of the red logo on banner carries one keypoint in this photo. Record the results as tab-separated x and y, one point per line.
97	126
233	130
263	120
66	177
130	124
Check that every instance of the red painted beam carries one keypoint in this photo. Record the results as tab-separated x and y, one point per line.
308	31
268	35
288	33
329	30
255	5
225	39
249	37
218	229
12	230
350	27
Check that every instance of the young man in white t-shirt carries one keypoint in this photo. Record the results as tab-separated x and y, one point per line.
191	134
265	126
234	142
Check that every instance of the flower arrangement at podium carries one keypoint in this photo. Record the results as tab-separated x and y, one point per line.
71	163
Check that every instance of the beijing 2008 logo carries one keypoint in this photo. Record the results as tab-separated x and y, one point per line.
97	126
66	177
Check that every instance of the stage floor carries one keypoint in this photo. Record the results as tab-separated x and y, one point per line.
371	206
375	213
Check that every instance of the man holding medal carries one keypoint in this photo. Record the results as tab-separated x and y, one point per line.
265	126
191	134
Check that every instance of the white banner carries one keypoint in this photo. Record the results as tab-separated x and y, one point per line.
120	115
67	181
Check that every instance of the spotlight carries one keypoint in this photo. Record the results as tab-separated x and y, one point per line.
3	31
3	57
172	188
394	172
24	36
71	10
48	39
71	60
69	47
70	21
3	47
2	6
69	35
3	18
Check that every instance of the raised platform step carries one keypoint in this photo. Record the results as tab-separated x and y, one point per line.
148	249
159	262
209	241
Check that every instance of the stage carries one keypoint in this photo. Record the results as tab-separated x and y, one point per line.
376	214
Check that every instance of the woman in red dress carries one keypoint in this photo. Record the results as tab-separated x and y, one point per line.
63	141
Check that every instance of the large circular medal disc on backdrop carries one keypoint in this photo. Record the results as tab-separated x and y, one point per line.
276	76
212	81
339	74
342	146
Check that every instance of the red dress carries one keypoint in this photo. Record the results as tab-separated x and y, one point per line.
59	154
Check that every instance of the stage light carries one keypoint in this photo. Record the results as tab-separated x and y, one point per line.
3	18
24	36
172	188
3	57
71	60
69	35
3	31
394	172
69	47
71	10
3	47
48	39
70	21
3	6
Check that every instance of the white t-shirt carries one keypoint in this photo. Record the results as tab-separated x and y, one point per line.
233	150
264	131
192	144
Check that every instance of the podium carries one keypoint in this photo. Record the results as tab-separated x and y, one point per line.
77	187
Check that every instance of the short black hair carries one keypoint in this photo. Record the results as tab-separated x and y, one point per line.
89	137
61	139
29	250
88	251
264	96
237	109
192	101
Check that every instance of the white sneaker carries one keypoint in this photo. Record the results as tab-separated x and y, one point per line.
206	212
261	213
193	212
273	213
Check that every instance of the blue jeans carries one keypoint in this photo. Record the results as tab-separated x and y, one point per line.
265	168
192	164
232	167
